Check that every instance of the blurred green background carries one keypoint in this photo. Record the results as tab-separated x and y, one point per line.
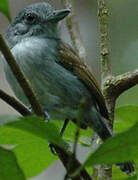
124	43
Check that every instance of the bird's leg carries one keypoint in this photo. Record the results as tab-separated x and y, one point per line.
47	116
52	149
64	127
63	130
47	119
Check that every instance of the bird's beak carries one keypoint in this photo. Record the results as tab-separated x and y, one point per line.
60	14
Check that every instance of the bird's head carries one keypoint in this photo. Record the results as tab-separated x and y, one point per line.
39	19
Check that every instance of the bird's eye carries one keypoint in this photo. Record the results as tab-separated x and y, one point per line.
30	18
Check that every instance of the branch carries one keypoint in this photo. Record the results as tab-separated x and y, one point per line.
68	157
104	39
15	104
103	16
23	81
117	85
73	28
112	86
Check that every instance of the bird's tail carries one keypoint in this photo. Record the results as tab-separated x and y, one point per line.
104	132
99	125
127	167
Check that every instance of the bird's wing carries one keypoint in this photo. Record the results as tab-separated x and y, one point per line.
71	61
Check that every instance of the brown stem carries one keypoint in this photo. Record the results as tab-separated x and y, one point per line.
74	30
75	164
115	86
18	106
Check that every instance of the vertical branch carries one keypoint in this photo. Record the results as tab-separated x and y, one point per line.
106	74
105	172
104	39
73	28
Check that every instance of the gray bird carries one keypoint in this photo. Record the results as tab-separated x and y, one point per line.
57	74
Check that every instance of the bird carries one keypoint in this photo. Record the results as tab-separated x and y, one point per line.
58	75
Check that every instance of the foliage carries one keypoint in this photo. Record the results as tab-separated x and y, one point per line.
120	148
4	8
123	146
9	167
126	117
29	140
28	137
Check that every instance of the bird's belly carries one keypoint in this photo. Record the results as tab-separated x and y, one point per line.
57	88
59	100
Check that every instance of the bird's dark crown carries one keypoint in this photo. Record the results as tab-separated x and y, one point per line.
42	11
39	19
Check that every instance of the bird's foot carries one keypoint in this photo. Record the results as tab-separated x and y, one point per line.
47	116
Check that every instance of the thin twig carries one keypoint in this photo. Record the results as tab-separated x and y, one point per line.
77	133
81	111
74	30
23	81
14	103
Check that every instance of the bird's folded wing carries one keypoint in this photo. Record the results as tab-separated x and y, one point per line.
71	61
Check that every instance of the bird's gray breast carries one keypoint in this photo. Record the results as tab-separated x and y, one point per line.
56	86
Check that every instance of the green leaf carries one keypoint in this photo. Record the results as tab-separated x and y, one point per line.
69	133
116	172
90	170
136	165
4	8
38	127
34	157
131	178
13	136
127	113
9	168
32	151
126	117
120	148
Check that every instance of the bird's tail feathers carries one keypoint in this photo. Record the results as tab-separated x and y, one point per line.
100	126
127	167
